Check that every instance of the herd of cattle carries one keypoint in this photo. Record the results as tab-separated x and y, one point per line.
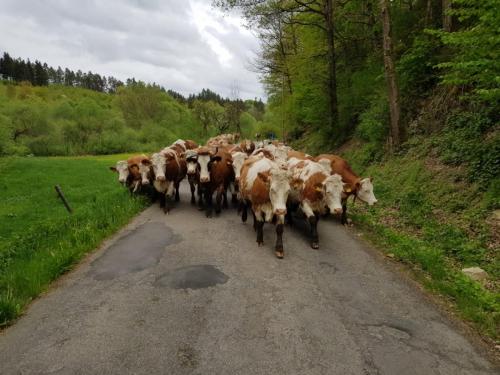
270	178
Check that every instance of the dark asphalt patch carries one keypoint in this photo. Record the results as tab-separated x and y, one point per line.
192	277
134	252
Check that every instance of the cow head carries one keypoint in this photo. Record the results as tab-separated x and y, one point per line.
159	162
122	169
277	180
191	158
206	158
144	169
364	190
238	160
333	188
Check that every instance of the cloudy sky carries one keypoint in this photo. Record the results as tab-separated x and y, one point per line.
184	45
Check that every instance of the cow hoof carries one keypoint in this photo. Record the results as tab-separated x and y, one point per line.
315	245
279	254
193	202
260	243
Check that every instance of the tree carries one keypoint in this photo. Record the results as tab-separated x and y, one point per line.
390	73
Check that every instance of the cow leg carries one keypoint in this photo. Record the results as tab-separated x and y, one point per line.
162	199
278	250
208	202
243	208
343	217
313	222
192	186
218	198
234	196
177	196
201	205
260	232
169	194
254	222
224	197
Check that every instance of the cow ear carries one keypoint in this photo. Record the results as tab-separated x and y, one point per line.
215	158
113	169
263	177
371	179
319	187
358	184
146	162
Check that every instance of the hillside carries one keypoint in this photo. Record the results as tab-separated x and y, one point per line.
66	120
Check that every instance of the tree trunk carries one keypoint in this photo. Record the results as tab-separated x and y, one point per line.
447	23
332	74
428	14
390	73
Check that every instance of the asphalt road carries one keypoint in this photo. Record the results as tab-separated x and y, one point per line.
183	294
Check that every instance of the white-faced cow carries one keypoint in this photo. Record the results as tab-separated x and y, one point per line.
216	174
264	186
169	170
193	174
313	189
238	160
361	188
129	173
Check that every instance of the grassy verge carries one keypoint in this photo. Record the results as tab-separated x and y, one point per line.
431	218
39	240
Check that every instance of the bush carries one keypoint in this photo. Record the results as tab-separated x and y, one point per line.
470	137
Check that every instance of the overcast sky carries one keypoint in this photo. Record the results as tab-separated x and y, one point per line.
184	45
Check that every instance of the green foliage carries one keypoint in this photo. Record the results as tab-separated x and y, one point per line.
476	46
39	240
471	138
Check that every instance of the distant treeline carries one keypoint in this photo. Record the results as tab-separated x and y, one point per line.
41	74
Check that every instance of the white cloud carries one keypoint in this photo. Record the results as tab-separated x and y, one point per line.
182	45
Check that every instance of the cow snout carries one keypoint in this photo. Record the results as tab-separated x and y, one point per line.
160	178
372	202
204	179
280	211
337	211
121	180
145	182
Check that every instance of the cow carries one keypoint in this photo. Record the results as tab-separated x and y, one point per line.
247	146
298	155
264	186
193	174
238	160
169	170
216	174
361	188
129	172
313	189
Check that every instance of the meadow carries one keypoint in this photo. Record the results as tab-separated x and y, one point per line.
39	239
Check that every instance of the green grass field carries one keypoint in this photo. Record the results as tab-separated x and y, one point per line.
39	239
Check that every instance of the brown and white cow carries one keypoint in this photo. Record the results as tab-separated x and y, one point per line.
298	155
361	188
216	174
169	170
313	189
264	186
238	160
247	146
193	174
129	173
